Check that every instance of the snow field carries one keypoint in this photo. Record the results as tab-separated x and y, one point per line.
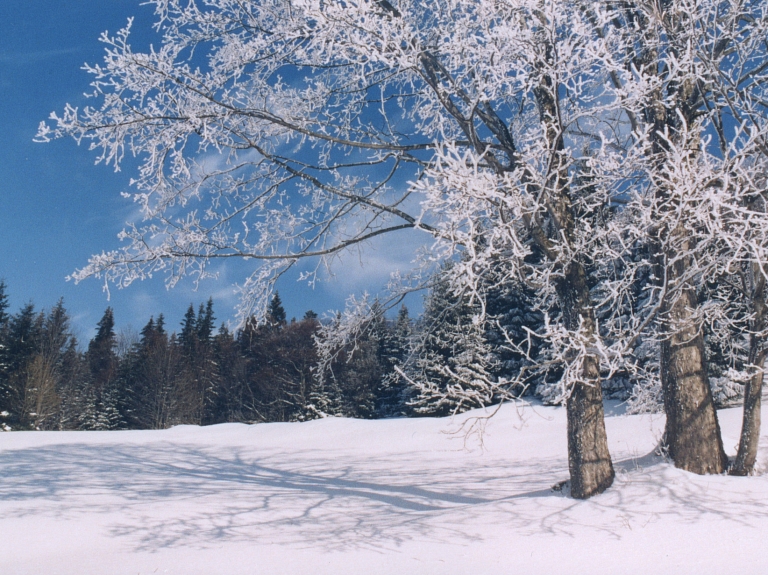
375	497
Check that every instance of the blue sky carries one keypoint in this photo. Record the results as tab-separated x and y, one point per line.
57	208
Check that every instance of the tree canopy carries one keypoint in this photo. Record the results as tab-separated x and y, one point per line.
572	146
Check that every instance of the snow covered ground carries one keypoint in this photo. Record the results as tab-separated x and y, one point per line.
369	497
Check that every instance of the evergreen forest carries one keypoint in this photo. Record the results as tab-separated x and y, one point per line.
195	372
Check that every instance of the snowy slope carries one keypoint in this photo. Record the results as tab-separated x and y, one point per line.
357	497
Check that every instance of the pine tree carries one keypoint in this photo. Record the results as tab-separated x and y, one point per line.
326	397
101	399
360	376
228	402
208	378
451	363
101	351
22	339
188	396
108	416
160	325
188	333
75	378
3	305
205	322
278	361
154	376
298	356
512	323
43	385
276	313
350	377
393	349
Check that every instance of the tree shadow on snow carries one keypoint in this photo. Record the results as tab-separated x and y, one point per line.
170	495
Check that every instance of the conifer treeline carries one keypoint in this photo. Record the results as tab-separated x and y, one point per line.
446	362
194	375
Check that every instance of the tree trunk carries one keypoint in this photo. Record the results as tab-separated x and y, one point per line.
589	460
744	464
692	431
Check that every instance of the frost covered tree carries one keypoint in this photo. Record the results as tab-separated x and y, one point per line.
449	363
282	130
691	76
394	342
288	129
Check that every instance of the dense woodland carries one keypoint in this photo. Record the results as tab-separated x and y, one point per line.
194	372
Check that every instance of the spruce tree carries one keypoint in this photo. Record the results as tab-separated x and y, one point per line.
146	377
276	313
393	349
43	386
188	334
74	384
22	339
101	351
205	322
207	376
512	323
228	403
4	353
4	317
101	398
451	363
155	377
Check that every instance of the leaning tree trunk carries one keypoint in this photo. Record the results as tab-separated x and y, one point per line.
744	464
692	432
589	460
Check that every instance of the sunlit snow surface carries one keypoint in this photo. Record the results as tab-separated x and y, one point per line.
343	496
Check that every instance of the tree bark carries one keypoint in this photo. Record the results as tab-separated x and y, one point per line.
589	460
744	464
692	432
